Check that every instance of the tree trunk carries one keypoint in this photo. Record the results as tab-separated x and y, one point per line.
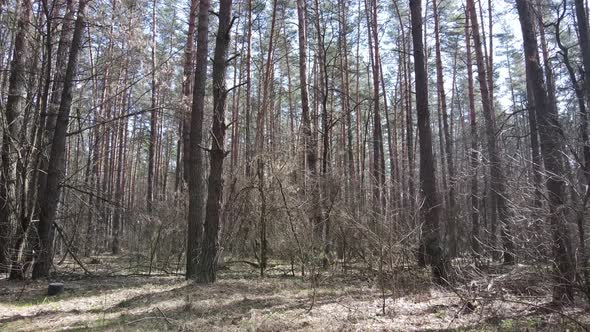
378	171
473	154
409	123
187	87
430	210
260	139
248	152
207	267
584	40
195	183
497	178
14	111
552	153
307	137
580	92
151	178
452	228
49	198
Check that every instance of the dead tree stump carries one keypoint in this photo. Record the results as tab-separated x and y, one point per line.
55	288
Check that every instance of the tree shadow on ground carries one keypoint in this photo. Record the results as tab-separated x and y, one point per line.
27	293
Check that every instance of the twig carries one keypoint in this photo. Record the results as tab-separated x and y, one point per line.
163	315
146	318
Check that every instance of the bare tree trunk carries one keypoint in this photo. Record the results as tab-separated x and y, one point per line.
584	40
346	109
260	139
187	82
497	177
322	230
452	227
430	210
235	117
580	91
307	137
195	183
120	173
151	179
14	112
49	198
207	266
551	150
473	154
407	102
378	171
248	150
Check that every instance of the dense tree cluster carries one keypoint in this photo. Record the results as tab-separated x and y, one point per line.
323	133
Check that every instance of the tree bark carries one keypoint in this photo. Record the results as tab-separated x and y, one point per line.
473	154
497	177
308	141
207	266
49	198
584	40
195	183
378	171
187	87
552	153
430	210
452	228
14	111
260	139
151	177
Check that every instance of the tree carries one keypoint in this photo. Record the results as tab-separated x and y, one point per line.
497	177
151	178
195	183
309	145
187	85
49	197
260	139
207	268
15	107
552	153
430	210
378	169
442	102
473	154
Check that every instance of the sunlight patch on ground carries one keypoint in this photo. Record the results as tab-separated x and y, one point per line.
250	304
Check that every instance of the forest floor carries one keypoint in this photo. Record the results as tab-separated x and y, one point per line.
242	301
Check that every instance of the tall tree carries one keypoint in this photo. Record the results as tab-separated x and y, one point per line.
207	268
14	109
378	169
195	183
49	198
442	103
309	144
260	138
497	178
552	153
584	40
187	86
151	178
430	245
473	153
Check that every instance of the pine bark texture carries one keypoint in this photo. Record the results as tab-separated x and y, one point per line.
195	171
430	211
